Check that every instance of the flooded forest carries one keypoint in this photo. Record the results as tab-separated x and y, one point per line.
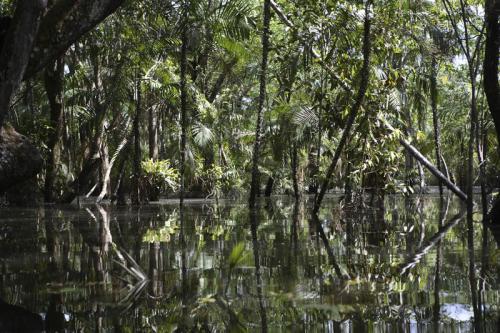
250	166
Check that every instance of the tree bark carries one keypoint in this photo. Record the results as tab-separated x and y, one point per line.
63	25
363	87
490	66
16	50
54	86
255	185
106	181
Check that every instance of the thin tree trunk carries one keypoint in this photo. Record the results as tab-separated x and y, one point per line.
54	86
184	105
255	185
435	119
295	172
483	151
363	87
106	184
472	138
153	133
269	187
410	179
463	38
136	190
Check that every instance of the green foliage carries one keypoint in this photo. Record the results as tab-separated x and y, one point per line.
238	256
160	175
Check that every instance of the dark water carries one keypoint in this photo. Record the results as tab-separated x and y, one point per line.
415	266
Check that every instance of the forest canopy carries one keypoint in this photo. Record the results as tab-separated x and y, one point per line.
221	98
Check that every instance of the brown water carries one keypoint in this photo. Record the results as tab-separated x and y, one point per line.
409	267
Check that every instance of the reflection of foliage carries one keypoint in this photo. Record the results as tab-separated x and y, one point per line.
159	235
218	290
164	233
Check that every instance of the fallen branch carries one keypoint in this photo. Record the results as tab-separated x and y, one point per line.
425	162
421	158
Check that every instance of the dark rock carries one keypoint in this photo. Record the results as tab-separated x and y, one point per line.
20	160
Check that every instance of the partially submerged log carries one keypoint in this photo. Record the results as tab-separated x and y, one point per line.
20	160
435	171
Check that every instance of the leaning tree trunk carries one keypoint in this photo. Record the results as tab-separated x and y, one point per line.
363	87
54	86
255	185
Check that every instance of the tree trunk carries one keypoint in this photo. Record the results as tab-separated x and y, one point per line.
255	185
153	133
106	181
269	187
136	190
54	86
490	66
435	119
16	49
184	105
295	172
363	87
472	140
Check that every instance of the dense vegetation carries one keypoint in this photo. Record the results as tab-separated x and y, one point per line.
213	98
130	102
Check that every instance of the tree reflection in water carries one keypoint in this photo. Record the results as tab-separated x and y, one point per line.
407	266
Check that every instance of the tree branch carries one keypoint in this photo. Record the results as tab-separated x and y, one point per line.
76	18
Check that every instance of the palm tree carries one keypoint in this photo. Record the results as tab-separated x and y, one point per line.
255	184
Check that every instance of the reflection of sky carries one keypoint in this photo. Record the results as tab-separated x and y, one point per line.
458	312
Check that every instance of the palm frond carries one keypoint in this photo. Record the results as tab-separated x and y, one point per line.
202	135
305	117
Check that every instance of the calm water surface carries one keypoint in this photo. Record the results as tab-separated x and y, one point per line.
414	266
